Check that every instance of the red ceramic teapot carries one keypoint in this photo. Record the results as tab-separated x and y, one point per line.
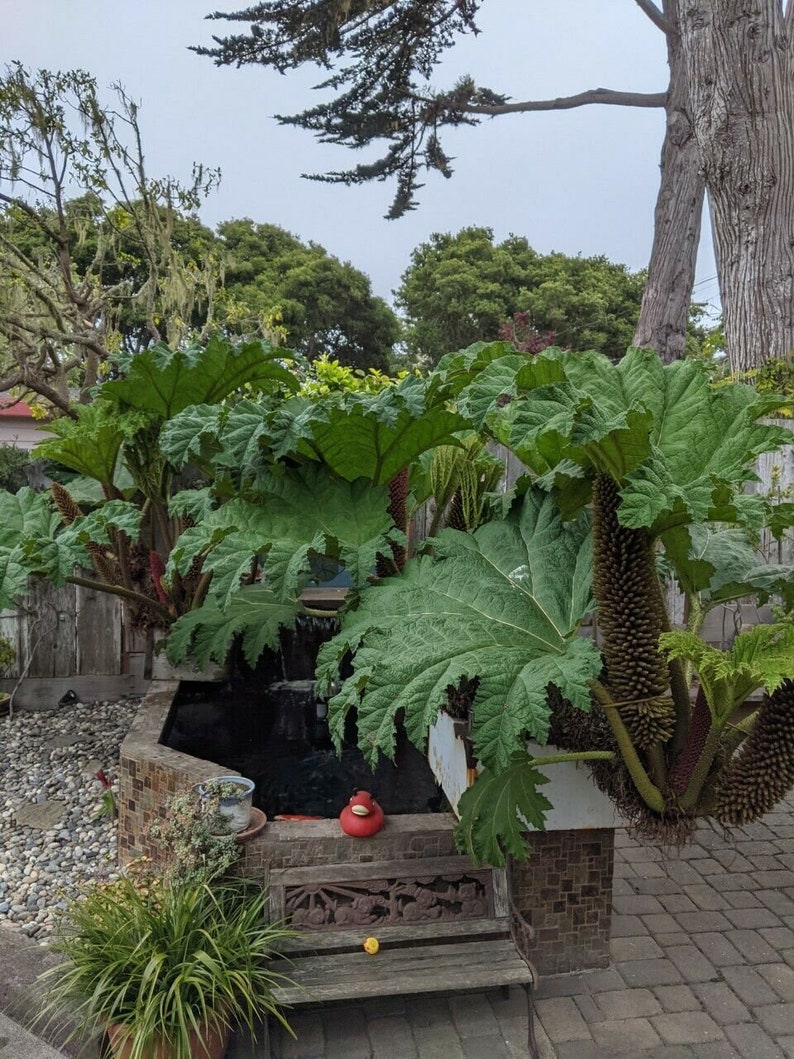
362	816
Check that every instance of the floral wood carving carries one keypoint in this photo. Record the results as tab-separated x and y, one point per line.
390	901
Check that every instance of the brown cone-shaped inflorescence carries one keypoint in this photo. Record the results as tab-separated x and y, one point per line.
65	503
682	770
398	496
762	772
455	518
631	619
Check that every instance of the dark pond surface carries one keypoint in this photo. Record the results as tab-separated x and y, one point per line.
278	736
268	725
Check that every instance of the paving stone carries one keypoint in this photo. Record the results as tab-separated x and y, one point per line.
662	923
776	1019
773	880
668	940
752	918
752	946
778	937
512	1006
637	905
687	1027
743	899
623	870
721	1003
677	902
634	852
731	860
428	1011
676	998
514	1033
621	886
654	884
626	926
490	1047
667	1051
749	986
778	902
717	949
685	874
589	1010
581	1050
718	1050
309	1037
634	948
625	1036
41	815
345	1033
561	1020
692	964
697	922
710	866
648	972
705	897
393	1033
436	1042
473	1015
602	981
625	1003
768	862
780	977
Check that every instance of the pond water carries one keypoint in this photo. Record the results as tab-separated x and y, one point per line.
270	726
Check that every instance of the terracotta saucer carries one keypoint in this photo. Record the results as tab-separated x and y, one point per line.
255	825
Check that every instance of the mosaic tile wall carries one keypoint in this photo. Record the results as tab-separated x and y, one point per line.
564	890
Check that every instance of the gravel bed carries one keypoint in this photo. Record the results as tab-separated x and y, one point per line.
53	834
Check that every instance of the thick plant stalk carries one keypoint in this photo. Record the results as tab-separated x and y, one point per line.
648	791
631	616
762	772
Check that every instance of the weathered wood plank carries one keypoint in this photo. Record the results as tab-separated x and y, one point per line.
43	693
49	631
418	868
98	632
405	971
349	940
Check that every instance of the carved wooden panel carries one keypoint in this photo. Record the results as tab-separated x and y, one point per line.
388	902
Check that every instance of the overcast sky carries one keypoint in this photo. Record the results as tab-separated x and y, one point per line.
581	181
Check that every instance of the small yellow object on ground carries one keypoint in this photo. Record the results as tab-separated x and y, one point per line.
371	945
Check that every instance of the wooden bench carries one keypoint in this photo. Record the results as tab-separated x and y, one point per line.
443	926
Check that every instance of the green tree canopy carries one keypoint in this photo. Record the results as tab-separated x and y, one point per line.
324	305
461	289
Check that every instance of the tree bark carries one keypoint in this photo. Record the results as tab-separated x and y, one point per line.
740	67
664	313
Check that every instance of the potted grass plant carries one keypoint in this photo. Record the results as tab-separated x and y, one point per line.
167	970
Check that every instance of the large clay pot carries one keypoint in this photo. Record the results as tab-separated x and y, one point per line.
211	1043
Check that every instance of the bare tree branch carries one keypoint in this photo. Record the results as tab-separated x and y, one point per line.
655	14
606	96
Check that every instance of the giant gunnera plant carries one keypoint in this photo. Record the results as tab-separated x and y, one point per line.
637	472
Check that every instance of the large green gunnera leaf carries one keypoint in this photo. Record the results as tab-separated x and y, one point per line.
502	605
162	381
495	812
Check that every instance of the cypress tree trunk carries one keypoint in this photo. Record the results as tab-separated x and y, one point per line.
740	66
664	312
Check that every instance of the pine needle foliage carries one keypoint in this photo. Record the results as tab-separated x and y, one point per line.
380	56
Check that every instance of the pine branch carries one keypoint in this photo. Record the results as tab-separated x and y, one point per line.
605	96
